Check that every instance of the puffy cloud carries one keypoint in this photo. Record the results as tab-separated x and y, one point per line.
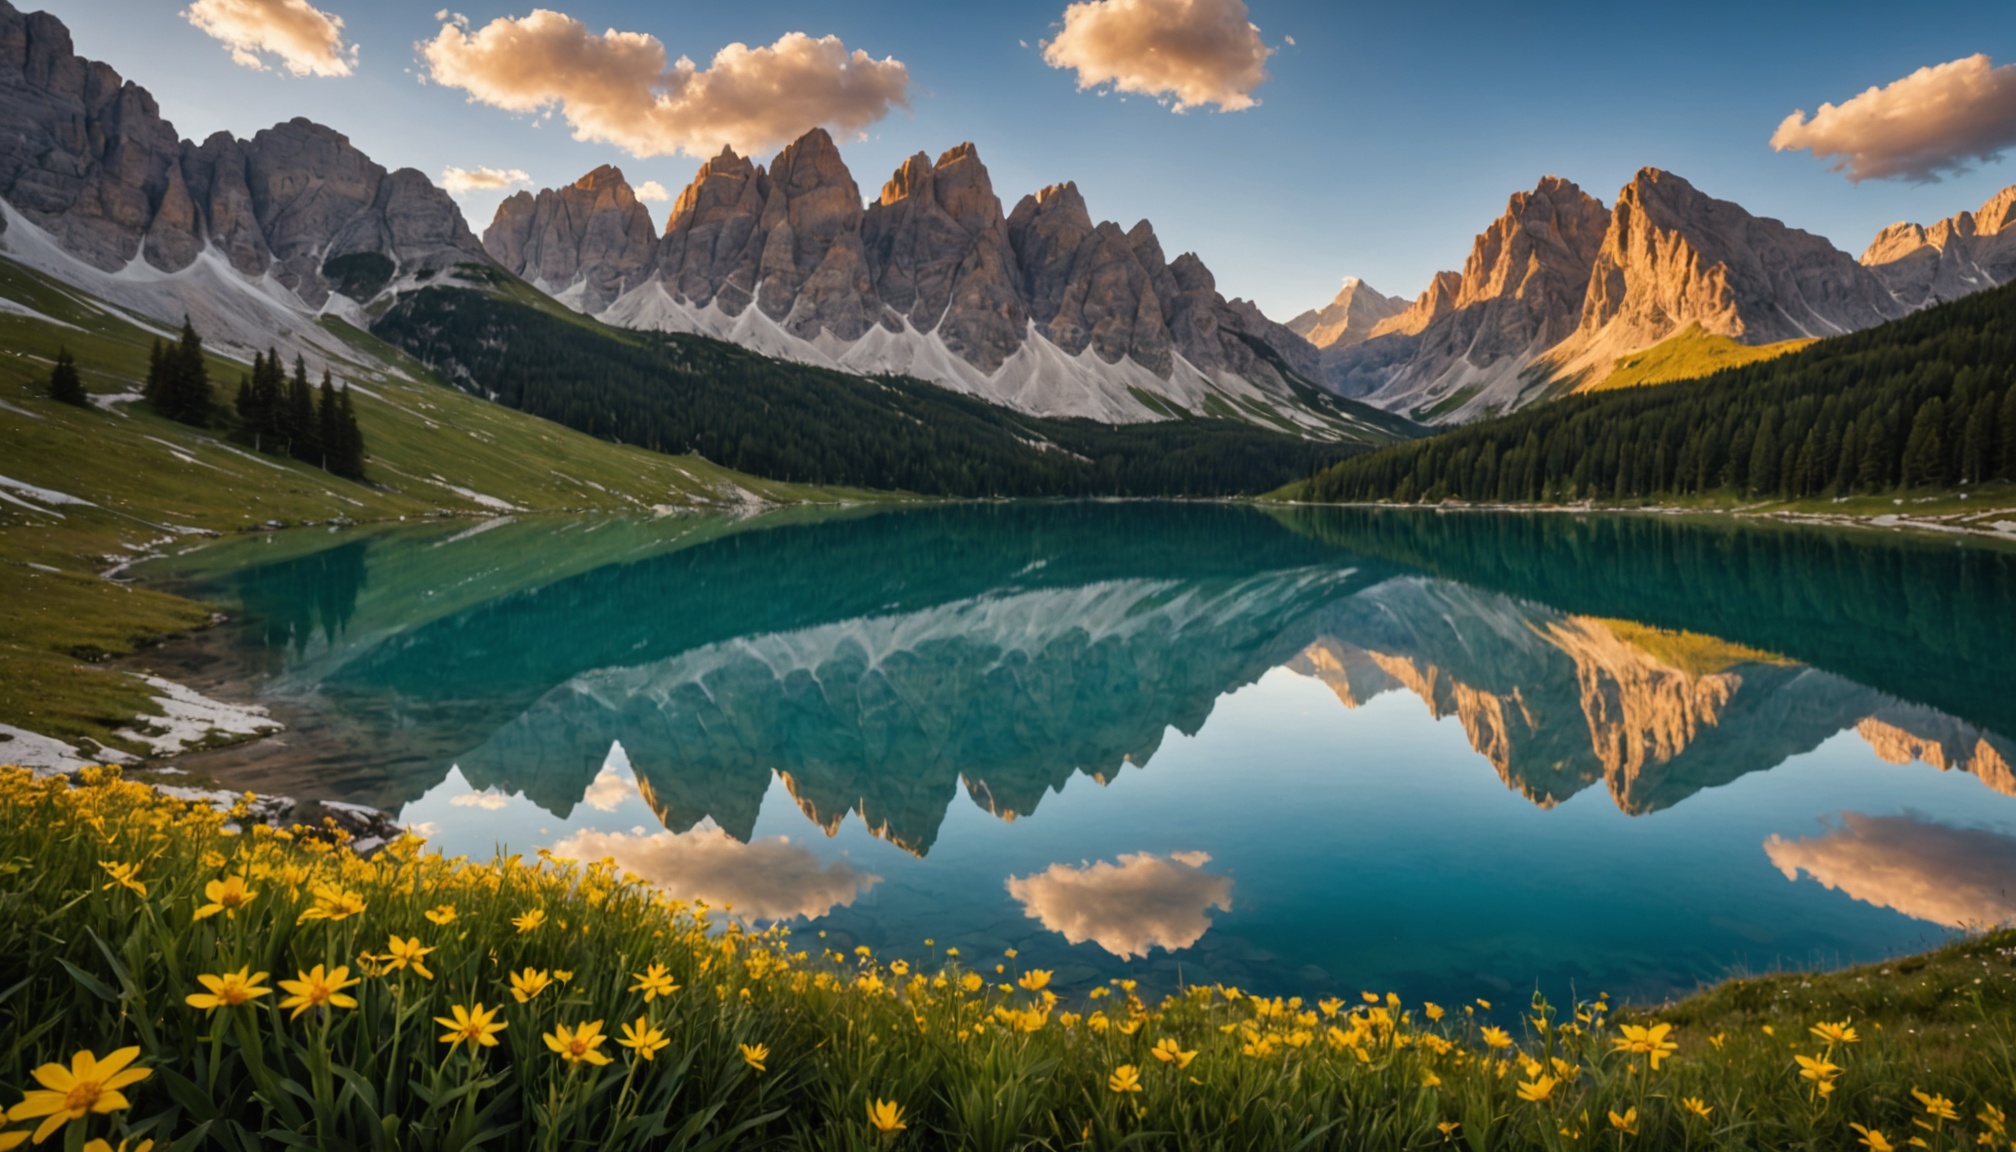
489	800
652	191
1934	120
460	180
1142	902
772	879
616	87
610	788
1193	52
1958	877
307	40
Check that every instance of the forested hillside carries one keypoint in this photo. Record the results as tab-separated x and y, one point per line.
789	421
1925	402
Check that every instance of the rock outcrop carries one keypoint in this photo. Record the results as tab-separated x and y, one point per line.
590	241
1558	289
1349	317
1042	308
87	158
1962	254
1461	349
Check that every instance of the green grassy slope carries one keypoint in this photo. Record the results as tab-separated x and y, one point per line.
143	483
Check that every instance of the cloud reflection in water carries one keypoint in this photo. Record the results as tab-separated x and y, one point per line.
1144	901
1958	877
769	879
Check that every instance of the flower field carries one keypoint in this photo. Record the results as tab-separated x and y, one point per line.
173	981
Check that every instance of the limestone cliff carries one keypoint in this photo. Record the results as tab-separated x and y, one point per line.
590	241
1962	254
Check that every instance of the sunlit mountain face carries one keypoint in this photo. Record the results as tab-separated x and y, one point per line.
1292	750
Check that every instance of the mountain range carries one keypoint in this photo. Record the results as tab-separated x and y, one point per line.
1559	289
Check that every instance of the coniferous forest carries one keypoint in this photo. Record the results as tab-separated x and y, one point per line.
681	393
1925	402
276	413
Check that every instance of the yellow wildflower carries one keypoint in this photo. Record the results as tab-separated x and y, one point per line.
886	1116
1835	1033
1819	1070
643	1039
332	903
408	954
754	1055
654	981
529	983
1873	1139
578	1045
316	989
1035	980
123	876
1169	1052
227	896
228	990
70	1094
1650	1043
1497	1037
1126	1078
472	1027
529	920
99	1145
1627	1123
1938	1107
1696	1105
971	982
441	915
1537	1091
1448	1128
1433	1010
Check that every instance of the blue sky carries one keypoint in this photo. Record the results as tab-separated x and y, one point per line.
1387	137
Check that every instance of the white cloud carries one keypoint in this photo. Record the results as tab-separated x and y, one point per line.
616	88
307	40
1935	120
771	879
490	800
652	191
1959	877
1191	52
1144	901
460	180
609	790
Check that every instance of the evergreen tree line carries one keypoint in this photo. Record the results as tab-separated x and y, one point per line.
65	385
1928	401
678	393
276	414
287	416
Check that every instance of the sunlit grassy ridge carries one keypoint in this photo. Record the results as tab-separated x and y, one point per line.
340	1002
1686	355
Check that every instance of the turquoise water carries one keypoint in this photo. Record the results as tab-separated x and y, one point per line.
1447	755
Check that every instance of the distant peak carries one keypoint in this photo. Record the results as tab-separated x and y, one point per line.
965	150
604	175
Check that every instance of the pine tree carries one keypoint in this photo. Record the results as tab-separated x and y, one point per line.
303	431
2008	433
1764	451
178	382
65	385
350	460
156	392
329	422
1925	447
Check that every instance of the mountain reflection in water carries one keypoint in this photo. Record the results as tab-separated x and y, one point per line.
877	665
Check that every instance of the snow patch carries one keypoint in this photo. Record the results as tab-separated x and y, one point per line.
189	718
43	755
45	495
478	497
16	308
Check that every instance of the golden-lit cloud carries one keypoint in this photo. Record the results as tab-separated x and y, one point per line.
460	180
1187	52
772	879
1958	877
617	88
609	790
1935	120
489	800
1144	901
306	40
652	192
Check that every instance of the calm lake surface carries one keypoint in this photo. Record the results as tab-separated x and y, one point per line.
1297	751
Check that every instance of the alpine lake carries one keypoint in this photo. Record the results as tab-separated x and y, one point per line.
1294	750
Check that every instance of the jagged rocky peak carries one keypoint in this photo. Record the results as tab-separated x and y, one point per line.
87	157
1675	257
711	240
587	243
939	247
813	274
1349	317
1962	254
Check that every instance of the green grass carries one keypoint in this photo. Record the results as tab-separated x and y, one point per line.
1685	356
151	483
771	1041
